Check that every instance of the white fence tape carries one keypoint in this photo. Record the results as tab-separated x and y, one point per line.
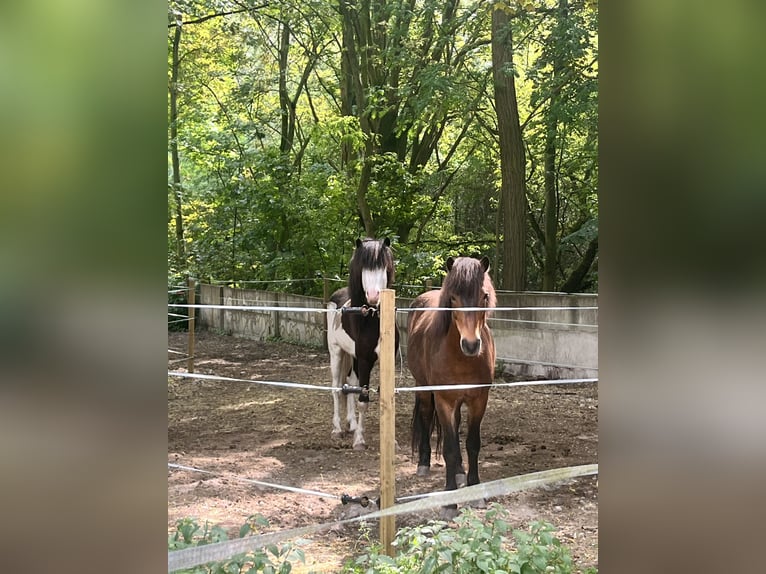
232	380
398	310
515	384
190	557
397	390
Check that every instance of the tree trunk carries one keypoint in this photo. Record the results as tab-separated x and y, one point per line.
361	195
574	284
512	159
551	201
288	125
551	188
355	69
175	161
349	72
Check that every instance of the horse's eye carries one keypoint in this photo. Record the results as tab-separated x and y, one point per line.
486	298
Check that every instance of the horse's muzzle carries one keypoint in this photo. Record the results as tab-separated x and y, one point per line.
373	297
470	348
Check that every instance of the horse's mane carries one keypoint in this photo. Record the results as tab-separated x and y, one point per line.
369	254
465	279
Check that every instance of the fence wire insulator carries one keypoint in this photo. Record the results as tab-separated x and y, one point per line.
364	310
361	500
363	392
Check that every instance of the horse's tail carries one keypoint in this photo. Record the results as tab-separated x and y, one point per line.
418	427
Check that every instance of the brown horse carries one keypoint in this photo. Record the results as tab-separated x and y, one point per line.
452	347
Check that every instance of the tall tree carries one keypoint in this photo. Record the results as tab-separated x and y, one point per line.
551	260
406	75
563	135
174	158
512	158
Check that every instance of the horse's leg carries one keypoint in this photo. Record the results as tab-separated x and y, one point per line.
422	426
476	409
460	476
359	443
450	450
363	367
353	381
338	360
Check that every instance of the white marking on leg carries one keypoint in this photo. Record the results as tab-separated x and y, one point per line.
337	361
336	430
353	381
359	443
340	361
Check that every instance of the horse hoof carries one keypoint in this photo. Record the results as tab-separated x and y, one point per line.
360	446
460	480
480	503
423	470
448	513
337	434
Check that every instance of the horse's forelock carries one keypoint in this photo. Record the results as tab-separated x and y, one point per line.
369	254
372	254
465	280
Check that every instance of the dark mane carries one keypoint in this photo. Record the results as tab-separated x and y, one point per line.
369	254
465	279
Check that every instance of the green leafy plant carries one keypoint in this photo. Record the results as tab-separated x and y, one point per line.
272	559
475	544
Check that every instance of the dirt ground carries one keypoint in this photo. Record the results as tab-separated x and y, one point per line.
282	436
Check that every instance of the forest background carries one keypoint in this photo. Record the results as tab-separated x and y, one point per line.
453	127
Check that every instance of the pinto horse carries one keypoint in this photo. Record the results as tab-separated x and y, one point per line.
353	338
452	347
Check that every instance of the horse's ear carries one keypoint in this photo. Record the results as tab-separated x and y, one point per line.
485	263
387	242
358	242
450	263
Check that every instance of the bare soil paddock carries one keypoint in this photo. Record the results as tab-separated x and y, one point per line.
282	436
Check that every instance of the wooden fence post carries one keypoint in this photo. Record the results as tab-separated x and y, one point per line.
387	416
326	300
190	346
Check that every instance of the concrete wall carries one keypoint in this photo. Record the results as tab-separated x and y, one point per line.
294	326
548	344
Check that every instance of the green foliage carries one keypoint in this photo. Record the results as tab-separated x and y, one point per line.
475	544
564	96
271	560
261	202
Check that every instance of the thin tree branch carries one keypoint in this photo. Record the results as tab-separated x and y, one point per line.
233	131
217	15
